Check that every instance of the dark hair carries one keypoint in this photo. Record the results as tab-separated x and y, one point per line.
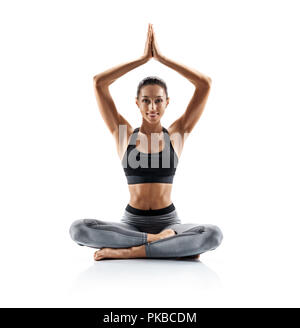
152	80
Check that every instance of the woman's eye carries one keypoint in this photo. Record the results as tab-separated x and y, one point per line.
146	100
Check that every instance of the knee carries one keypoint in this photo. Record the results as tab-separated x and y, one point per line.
215	235
77	230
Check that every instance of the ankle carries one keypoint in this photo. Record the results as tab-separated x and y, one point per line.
151	237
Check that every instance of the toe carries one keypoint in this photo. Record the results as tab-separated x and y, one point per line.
97	254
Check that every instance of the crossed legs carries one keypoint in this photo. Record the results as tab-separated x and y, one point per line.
121	240
134	251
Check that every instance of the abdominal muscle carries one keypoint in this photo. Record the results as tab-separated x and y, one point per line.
150	196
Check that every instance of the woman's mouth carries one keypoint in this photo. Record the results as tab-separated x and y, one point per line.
152	114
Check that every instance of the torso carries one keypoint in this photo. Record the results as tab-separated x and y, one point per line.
149	195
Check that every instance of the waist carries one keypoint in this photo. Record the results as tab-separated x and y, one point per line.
150	212
151	221
150	195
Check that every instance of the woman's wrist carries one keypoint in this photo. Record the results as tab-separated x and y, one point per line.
160	58
144	59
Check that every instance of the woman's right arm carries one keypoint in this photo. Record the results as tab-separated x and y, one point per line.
102	81
106	105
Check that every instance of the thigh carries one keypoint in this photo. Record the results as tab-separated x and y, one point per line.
185	227
99	224
127	226
99	233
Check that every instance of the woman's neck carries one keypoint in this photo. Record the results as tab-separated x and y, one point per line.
150	128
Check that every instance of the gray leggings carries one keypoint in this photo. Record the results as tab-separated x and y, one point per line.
190	238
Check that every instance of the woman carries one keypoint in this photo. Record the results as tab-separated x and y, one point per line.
150	226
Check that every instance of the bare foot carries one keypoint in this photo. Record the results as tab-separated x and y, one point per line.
164	234
120	253
103	253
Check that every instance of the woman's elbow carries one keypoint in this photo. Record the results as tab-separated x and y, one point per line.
98	80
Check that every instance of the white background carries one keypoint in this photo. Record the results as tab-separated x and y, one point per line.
239	168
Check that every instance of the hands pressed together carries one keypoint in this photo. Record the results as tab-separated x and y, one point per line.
151	48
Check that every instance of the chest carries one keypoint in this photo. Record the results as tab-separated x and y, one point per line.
148	145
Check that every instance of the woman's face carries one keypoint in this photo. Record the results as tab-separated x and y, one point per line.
152	102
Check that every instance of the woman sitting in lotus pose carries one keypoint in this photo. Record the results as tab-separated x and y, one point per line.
150	226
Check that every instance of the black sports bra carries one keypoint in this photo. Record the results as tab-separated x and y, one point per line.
142	167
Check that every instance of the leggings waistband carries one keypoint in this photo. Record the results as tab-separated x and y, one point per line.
160	211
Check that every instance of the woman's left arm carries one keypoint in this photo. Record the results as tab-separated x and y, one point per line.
197	78
186	122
